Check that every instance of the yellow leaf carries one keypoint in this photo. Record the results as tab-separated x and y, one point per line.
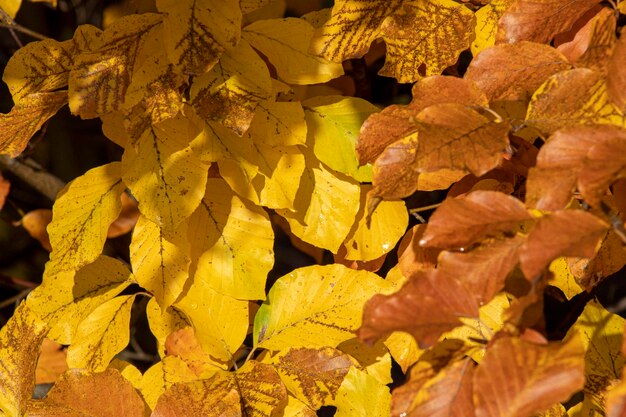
403	348
248	6
160	261
128	371
184	345
162	323
334	123
26	118
220	322
44	66
577	96
199	31
563	278
602	334
362	395
262	392
425	37
232	242
371	238
487	24
352	27
11	7
375	359
278	124
325	214
296	408
99	78
314	306
162	375
65	299
230	92
102	335
164	174
20	341
313	376
286	42
81	217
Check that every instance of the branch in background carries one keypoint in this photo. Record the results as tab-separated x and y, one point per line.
7	22
44	182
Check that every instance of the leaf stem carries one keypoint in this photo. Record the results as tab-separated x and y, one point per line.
424	208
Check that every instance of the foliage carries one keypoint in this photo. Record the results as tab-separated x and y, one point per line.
221	146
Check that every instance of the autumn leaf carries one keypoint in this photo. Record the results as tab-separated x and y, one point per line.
520	378
26	118
102	335
65	299
563	278
616	75
79	393
127	218
352	27
262	391
413	257
286	44
100	77
562	233
183	344
514	72
361	394
609	259
198	32
487	24
467	219
162	323
443	30
163	376
20	342
231	91
278	123
311	301
51	363
233	243
81	218
35	223
540	21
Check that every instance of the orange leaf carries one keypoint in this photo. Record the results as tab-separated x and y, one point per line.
514	72
603	166
206	397
517	378
562	233
36	222
51	363
127	218
5	188
412	257
616	78
465	220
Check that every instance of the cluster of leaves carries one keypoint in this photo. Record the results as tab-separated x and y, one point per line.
218	146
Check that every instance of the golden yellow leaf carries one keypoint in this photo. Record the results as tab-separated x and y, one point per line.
403	348
286	42
375	236
232	242
325	215
100	77
352	27
162	323
63	300
81	217
160	261
425	37
334	123
563	278
278	123
11	7
296	408
102	335
161	376
313	376
26	118
577	96
602	334
362	395
230	92
20	342
128	371
375	359
44	66
164	174
262	392
487	24
314	306
198	32
207	309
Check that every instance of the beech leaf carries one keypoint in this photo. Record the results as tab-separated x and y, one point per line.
262	392
487	24
361	394
616	74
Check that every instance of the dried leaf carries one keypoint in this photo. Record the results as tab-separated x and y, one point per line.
611	257
616	73
413	257
35	222
51	363
261	389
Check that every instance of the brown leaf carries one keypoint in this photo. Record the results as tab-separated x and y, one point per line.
262	391
428	305
462	221
26	118
562	233
616	78
127	218
454	136
396	121
36	222
51	363
412	257
539	21
517	378
611	257
514	72
5	188
80	393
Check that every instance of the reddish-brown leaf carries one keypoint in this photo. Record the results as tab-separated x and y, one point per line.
51	363
605	163
428	305
5	187
518	378
616	78
540	20
611	257
455	136
127	218
462	221
35	222
562	233
514	72
412	257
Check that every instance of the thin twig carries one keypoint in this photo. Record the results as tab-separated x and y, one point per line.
7	22
42	181
17	282
425	208
15	299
